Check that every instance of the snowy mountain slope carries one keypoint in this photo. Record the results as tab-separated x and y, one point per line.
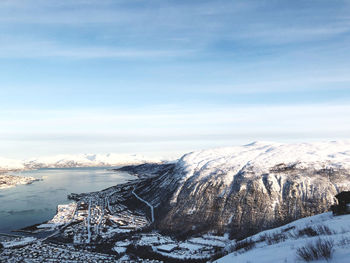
249	188
260	157
281	244
10	164
77	160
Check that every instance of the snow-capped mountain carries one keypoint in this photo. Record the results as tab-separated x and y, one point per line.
76	160
248	188
289	242
10	164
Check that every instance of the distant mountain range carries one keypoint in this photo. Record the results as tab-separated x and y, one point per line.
77	160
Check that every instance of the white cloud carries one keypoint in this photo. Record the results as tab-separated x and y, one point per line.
22	48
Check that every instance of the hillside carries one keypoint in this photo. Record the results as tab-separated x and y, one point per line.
282	244
245	189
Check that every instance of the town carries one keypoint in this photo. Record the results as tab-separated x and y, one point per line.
106	226
113	225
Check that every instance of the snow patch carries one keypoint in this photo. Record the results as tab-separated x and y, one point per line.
285	250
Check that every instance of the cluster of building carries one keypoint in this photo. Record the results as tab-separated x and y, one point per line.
49	252
109	216
202	247
13	241
98	216
4	238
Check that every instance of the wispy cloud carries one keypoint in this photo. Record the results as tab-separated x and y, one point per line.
274	33
200	23
21	48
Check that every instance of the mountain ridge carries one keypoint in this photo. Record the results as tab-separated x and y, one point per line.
245	189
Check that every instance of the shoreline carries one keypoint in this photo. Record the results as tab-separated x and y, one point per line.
10	181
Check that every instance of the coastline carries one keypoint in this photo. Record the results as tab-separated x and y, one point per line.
10	181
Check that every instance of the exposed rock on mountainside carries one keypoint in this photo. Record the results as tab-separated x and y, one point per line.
249	188
147	170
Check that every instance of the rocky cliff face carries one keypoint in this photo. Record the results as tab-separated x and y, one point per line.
246	189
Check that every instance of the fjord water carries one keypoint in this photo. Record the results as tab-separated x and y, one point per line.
26	205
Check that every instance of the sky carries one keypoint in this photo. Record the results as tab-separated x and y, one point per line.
162	77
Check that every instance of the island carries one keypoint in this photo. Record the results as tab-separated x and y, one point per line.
8	181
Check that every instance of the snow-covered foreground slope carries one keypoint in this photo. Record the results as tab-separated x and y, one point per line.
76	160
245	189
281	244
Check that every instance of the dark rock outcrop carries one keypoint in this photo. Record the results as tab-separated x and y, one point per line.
343	206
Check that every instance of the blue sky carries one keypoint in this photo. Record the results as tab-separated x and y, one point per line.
166	77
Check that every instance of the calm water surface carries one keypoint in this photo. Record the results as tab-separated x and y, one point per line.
26	205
